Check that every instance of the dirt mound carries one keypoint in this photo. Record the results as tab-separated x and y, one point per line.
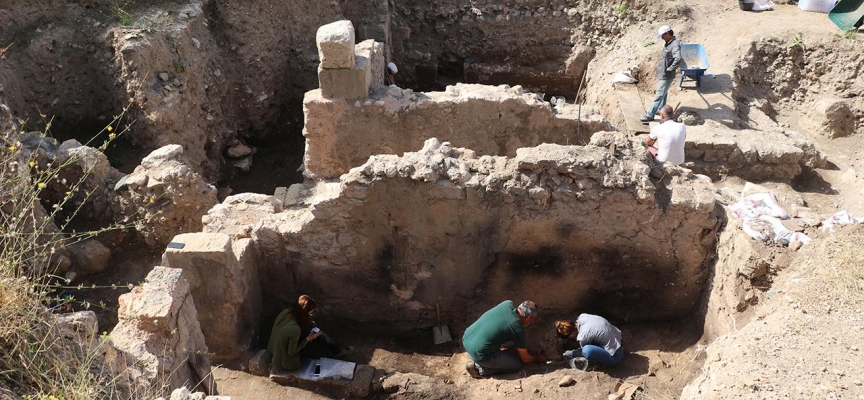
806	339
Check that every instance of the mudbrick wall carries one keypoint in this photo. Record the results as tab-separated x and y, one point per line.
489	120
564	225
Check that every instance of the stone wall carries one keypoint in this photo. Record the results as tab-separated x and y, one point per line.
774	155
569	226
489	120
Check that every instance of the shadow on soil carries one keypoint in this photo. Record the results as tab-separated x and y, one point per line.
809	181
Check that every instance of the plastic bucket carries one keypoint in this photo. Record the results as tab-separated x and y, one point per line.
745	5
822	6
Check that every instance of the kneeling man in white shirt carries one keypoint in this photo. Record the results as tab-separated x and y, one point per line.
666	140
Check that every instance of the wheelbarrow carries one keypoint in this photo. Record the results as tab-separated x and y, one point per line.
694	62
848	14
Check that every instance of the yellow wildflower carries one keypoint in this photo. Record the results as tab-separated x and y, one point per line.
109	128
32	164
41	184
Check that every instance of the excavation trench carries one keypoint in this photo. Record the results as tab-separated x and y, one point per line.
515	199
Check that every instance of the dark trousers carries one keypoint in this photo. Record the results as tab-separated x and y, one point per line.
322	346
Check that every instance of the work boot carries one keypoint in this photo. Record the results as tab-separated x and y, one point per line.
646	119
472	370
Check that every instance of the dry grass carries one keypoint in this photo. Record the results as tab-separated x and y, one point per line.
845	266
36	361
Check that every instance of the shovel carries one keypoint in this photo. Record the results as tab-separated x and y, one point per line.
440	333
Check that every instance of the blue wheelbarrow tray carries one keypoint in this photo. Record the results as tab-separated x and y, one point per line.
847	14
694	63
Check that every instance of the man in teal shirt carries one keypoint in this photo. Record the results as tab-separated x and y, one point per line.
483	339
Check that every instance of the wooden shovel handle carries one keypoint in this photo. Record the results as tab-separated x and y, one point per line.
438	312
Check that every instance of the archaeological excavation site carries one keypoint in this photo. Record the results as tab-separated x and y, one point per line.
177	173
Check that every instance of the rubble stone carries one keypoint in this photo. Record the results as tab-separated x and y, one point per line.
336	45
361	385
180	394
259	364
81	326
89	256
831	117
165	195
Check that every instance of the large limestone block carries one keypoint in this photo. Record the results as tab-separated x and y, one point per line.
226	290
336	45
154	306
349	84
374	51
158	337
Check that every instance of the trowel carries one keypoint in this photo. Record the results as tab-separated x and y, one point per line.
440	333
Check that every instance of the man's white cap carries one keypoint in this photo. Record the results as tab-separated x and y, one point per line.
392	67
663	29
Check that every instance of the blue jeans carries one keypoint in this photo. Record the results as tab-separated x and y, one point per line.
502	362
599	355
660	98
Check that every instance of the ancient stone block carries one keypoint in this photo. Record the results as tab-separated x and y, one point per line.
374	51
336	45
349	84
158	339
226	290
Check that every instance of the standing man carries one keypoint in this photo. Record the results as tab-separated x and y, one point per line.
483	339
666	141
598	341
667	67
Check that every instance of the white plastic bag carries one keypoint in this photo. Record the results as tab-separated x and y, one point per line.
770	229
763	5
757	205
839	218
336	369
624	77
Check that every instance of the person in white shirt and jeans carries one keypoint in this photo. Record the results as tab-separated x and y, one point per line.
666	140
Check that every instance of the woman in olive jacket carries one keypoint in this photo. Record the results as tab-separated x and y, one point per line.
287	338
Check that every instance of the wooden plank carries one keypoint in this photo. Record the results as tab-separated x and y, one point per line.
631	107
